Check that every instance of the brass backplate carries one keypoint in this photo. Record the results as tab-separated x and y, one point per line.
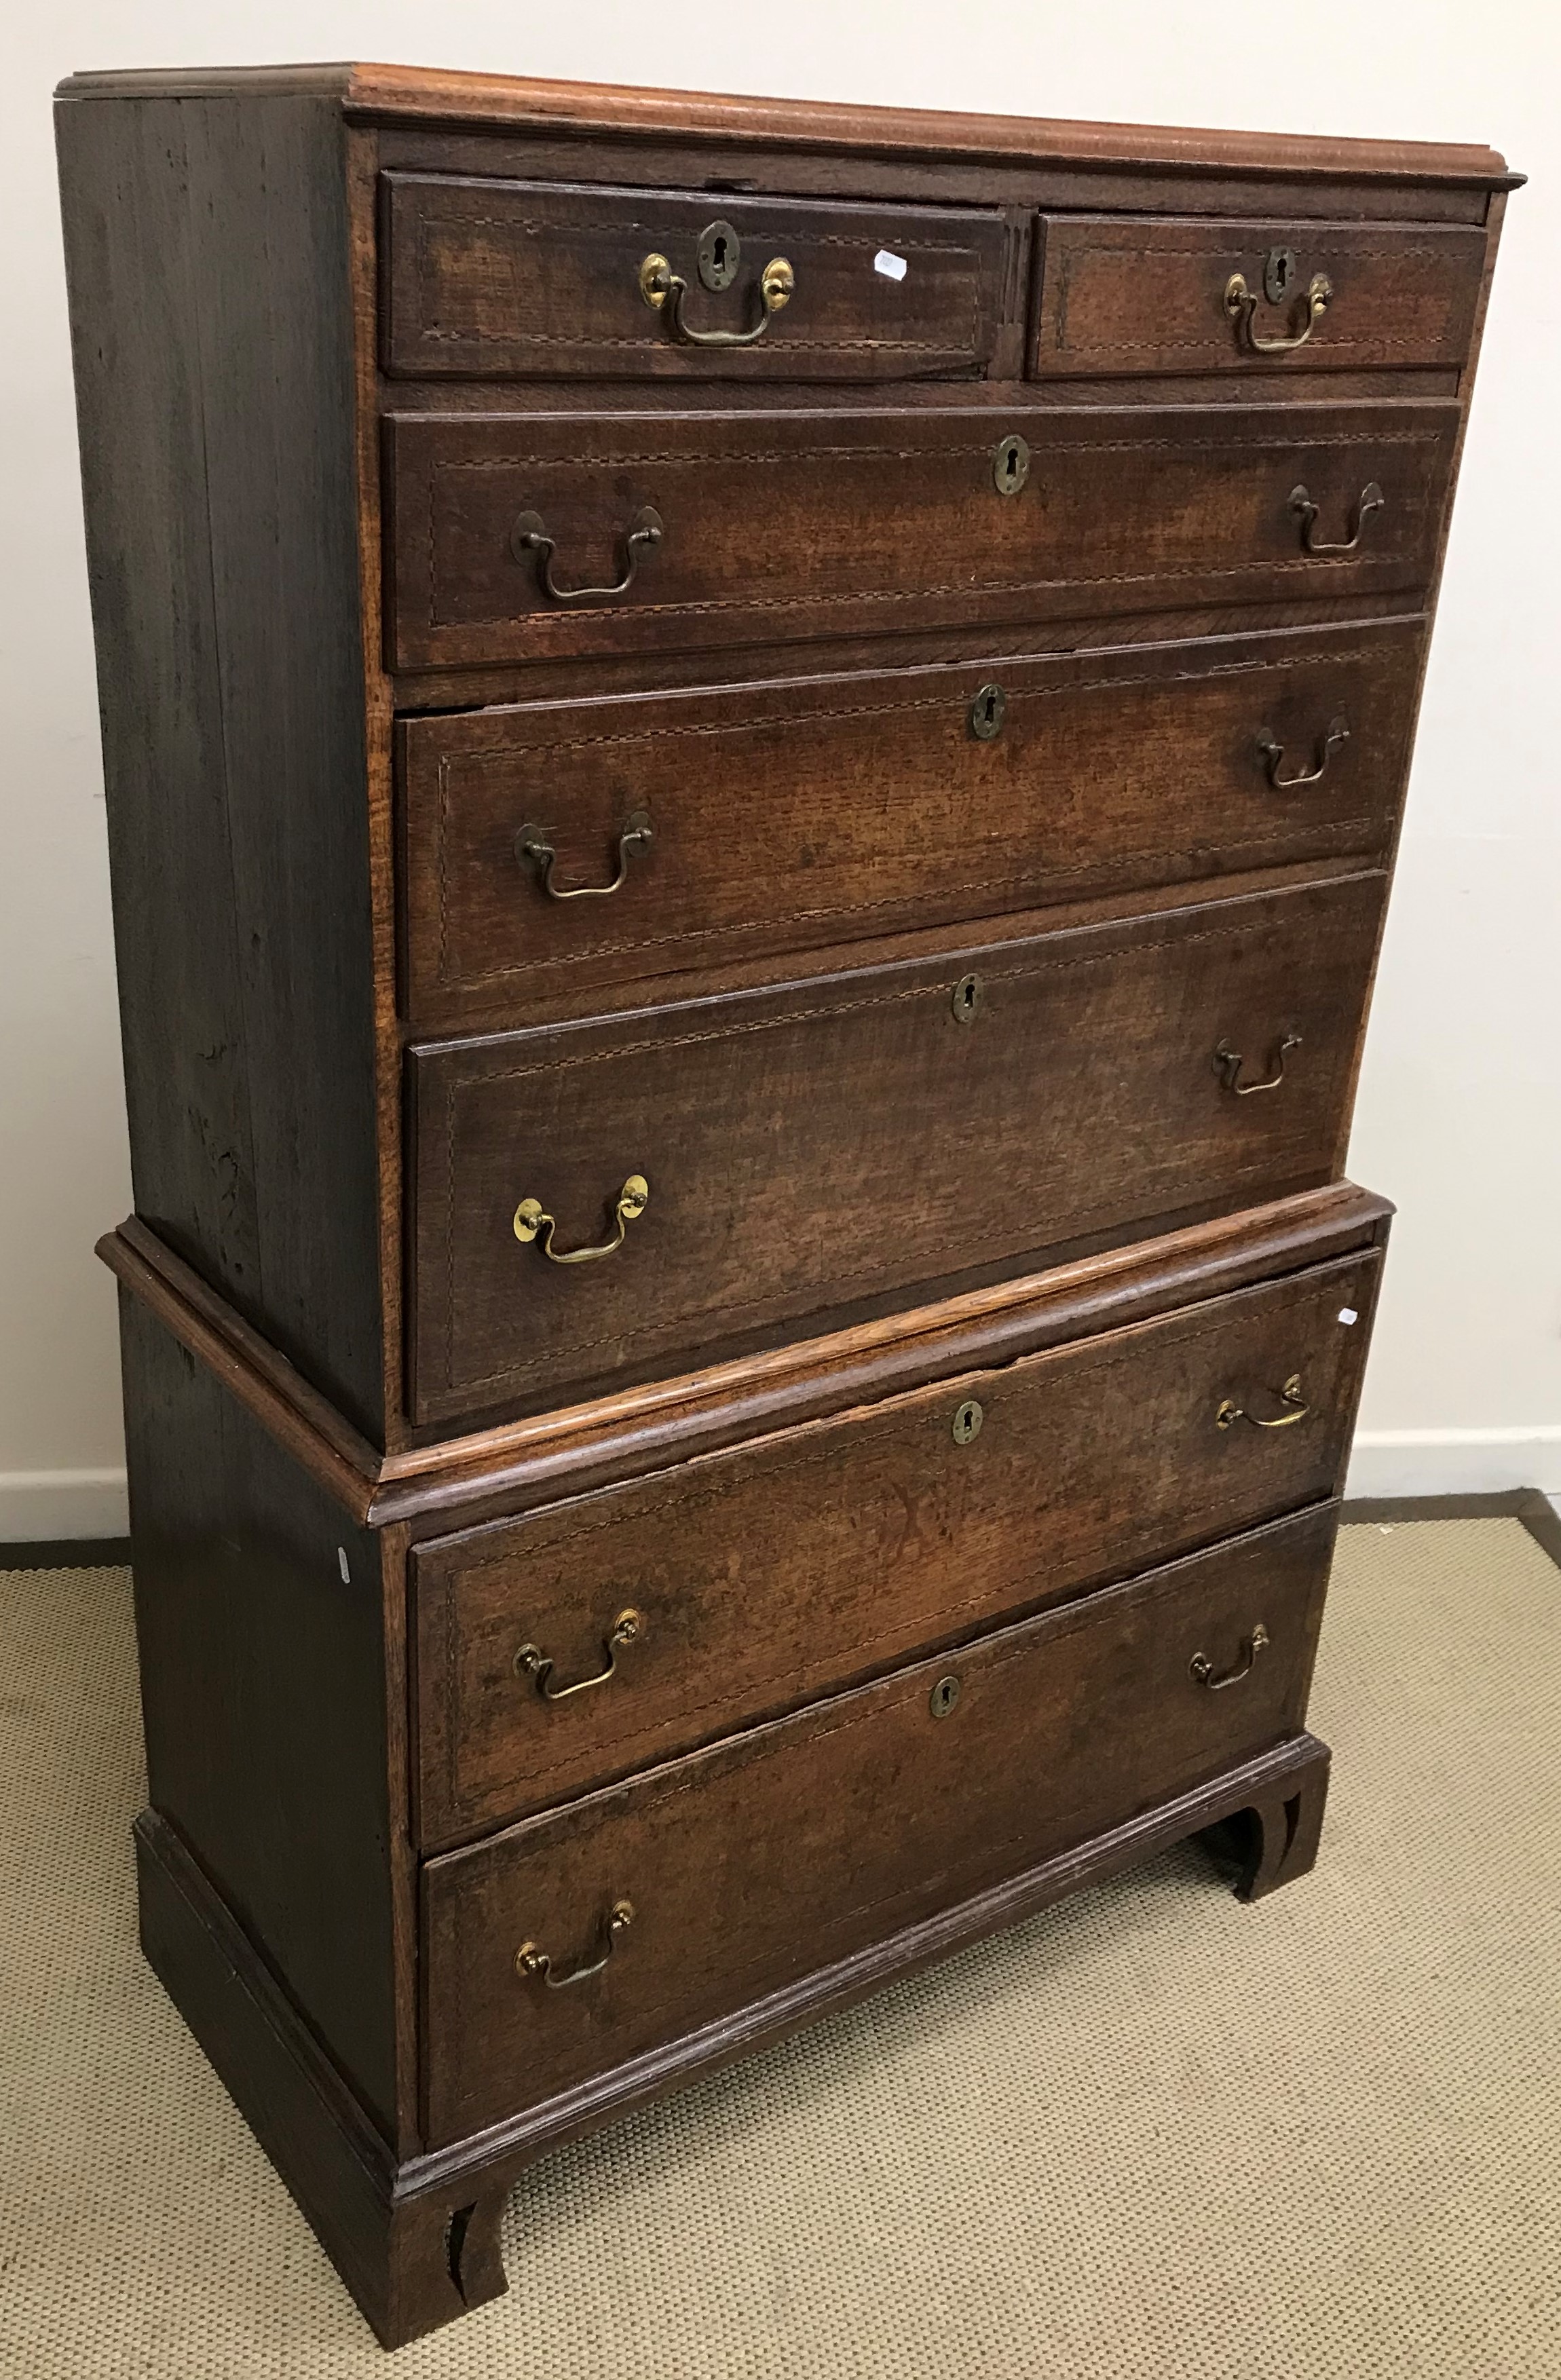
1279	274
967	999
987	712
944	1696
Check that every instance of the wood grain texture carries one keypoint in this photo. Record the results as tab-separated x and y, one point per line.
797	813
632	1430
442	96
761	1577
1136	294
264	1696
802	1840
205	244
811	1149
805	523
496	279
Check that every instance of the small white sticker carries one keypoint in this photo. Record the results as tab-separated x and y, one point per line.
346	1574
1347	1314
892	267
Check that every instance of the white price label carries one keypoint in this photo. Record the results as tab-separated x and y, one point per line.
892	267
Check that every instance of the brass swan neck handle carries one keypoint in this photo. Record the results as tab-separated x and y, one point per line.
537	1965
1229	1064
531	1661
532	1221
663	291
531	538
1241	305
1371	500
1204	1671
1271	753
1291	1396
533	844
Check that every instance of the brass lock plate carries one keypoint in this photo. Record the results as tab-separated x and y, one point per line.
1279	274
719	253
967	999
1010	464
967	1419
944	1696
987	712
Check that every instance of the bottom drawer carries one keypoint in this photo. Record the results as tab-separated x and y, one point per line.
786	1849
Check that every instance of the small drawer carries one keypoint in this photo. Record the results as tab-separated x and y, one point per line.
713	819
503	280
585	1641
781	1161
714	1880
560	535
1125	294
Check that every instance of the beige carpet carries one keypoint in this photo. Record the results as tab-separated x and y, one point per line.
1150	2133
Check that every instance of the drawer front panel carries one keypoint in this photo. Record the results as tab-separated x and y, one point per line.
751	527
760	1577
508	280
1140	294
753	1864
864	1136
1105	772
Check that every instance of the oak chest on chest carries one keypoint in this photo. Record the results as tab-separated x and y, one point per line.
753	757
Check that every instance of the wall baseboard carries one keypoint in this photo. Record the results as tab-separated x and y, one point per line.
1398	1462
55	1504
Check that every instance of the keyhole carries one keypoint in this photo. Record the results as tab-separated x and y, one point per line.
1011	464
986	712
967	999
720	254
967	1419
1281	272
944	1696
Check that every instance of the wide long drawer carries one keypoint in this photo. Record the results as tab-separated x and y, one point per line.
715	817
757	1163
709	1881
589	1639
519	537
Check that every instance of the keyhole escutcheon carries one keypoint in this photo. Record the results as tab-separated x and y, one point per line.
1278	272
967	1419
987	712
1011	464
944	1696
720	250
967	999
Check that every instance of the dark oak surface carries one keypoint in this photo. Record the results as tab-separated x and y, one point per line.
1132	295
299	294
762	1577
204	246
797	813
807	523
852	1136
487	279
803	1840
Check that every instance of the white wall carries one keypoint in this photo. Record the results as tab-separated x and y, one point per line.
1460	1108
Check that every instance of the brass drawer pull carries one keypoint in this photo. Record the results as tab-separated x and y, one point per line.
1229	1064
532	843
529	537
1230	1413
530	1218
531	1661
1273	755
1204	1670
1241	304
664	291
1372	499
531	1962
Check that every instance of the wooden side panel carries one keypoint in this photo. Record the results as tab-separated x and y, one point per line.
759	1578
866	1134
746	1866
206	242
263	1696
